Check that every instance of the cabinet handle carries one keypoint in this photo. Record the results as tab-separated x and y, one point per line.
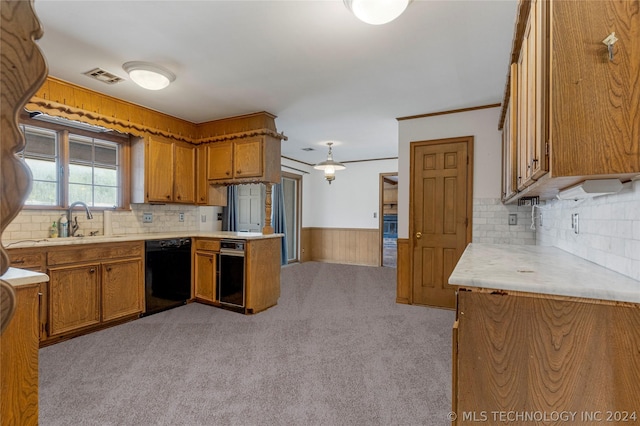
168	197
18	262
108	268
227	173
201	198
179	197
92	270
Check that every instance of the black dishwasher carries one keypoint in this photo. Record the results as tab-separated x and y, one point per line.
167	274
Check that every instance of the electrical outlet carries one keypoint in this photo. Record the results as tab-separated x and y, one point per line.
575	223
219	216
513	219
180	217
375	215
147	217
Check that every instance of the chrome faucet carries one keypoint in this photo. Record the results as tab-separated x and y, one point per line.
73	224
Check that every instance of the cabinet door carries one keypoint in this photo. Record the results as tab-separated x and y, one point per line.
184	186
219	161
159	170
248	158
202	184
122	289
74	296
524	170
205	274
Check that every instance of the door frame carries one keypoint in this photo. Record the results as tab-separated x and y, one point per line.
381	213
298	179
412	148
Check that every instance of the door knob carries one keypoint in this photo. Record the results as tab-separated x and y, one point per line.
418	235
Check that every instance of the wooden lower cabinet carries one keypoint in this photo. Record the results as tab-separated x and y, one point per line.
91	286
19	361
121	293
74	298
261	270
534	355
205	276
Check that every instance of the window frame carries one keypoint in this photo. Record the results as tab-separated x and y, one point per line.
62	136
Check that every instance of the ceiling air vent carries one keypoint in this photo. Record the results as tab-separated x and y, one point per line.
308	149
103	76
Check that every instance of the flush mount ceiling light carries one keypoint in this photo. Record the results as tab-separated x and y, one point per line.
329	166
149	76
377	12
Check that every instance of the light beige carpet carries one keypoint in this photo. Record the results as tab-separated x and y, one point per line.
336	350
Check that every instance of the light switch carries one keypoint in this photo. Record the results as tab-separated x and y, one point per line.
513	219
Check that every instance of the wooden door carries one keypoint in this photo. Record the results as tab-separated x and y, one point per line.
248	158
122	289
159	170
184	184
219	161
74	296
440	215
205	274
250	210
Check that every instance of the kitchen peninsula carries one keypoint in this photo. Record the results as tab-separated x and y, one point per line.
540	330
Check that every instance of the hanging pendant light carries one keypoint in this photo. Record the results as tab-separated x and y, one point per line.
329	166
377	12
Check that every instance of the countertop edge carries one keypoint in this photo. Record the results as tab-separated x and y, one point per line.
22	277
53	242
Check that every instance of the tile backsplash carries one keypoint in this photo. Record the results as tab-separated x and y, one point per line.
491	223
35	224
608	229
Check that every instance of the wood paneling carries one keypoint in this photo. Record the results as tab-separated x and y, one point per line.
352	246
62	99
305	245
536	354
19	366
262	267
403	292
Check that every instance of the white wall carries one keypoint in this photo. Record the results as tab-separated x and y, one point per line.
490	217
352	199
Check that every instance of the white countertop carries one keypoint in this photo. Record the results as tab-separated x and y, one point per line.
18	277
539	269
136	237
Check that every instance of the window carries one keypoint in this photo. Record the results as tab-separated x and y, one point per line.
93	171
41	155
69	167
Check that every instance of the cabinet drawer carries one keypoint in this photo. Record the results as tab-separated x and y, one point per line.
94	252
209	245
27	259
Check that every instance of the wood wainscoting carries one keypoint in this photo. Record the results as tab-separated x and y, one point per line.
403	291
354	246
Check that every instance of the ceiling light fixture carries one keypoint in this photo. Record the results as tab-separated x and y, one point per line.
149	76
329	166
377	12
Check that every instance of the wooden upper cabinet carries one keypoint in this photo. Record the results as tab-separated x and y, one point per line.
576	109
163	171
184	183
220	160
206	193
159	170
246	160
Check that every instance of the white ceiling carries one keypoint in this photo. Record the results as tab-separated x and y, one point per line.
326	75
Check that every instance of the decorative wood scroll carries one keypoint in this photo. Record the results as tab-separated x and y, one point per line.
61	99
23	70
